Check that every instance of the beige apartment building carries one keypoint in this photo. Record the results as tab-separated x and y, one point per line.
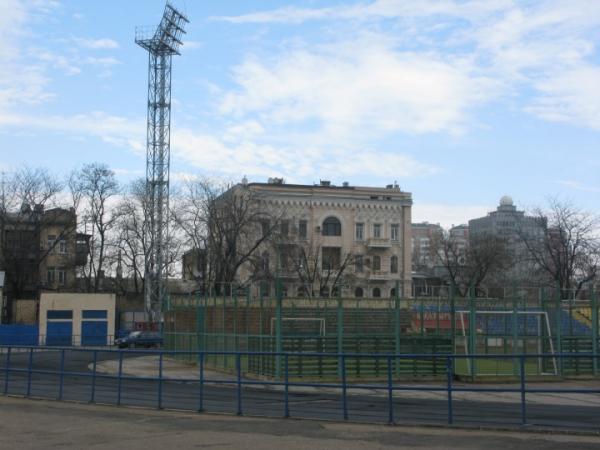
357	238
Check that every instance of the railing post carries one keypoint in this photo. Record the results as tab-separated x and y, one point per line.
119	378
160	379
61	374
238	367
390	391
94	366
201	382
472	331
278	330
523	409
7	370
344	388
515	329
558	331
29	367
450	375
286	411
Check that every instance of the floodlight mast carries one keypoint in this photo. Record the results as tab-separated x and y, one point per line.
161	43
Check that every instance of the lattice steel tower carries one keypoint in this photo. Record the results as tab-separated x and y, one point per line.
161	43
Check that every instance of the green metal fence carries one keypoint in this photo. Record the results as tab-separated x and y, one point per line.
498	321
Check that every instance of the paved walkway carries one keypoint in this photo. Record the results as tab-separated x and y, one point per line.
33	424
147	366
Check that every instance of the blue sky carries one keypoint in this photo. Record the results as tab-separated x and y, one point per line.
460	102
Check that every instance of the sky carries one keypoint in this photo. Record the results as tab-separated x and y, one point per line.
460	102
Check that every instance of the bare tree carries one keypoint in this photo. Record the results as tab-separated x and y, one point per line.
320	270
469	264
230	224
25	211
96	186
568	249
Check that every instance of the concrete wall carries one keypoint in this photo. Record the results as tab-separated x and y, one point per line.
25	311
77	303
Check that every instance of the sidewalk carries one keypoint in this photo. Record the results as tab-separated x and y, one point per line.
147	366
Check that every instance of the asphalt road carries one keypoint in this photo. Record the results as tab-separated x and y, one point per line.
29	424
259	402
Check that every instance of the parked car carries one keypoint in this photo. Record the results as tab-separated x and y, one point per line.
147	339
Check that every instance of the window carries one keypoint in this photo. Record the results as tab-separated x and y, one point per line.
50	275
395	232
393	293
324	292
301	292
62	246
302	229
358	292
59	314
285	228
394	264
332	227
376	263
358	263
62	277
51	241
360	231
331	258
377	230
265	226
376	293
94	314
265	262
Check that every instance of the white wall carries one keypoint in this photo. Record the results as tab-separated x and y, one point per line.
77	302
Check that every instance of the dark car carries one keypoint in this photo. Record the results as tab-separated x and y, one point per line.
147	339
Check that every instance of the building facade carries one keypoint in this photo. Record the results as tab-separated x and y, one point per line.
39	250
424	235
353	238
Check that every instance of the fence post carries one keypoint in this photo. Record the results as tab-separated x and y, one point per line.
340	334
278	337
119	378
449	377
390	391
344	388
452	317
7	370
62	374
515	329
286	411
160	378
594	301
201	382
238	366
29	367
558	332
94	365
523	410
472	330
398	328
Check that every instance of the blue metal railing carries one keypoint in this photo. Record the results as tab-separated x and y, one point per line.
23	371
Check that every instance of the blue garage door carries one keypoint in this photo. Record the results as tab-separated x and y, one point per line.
59	333
94	332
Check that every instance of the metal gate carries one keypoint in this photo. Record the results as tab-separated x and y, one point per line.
94	332
59	333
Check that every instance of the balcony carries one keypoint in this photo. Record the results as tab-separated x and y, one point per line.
378	275
379	243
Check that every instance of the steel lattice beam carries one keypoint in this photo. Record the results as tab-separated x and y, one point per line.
161	44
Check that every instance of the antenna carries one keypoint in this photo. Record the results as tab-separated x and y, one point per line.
161	43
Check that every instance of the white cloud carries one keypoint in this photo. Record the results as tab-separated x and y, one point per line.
363	84
578	186
97	44
544	50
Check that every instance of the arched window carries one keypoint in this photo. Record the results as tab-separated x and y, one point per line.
376	293
324	292
394	264
358	292
331	227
